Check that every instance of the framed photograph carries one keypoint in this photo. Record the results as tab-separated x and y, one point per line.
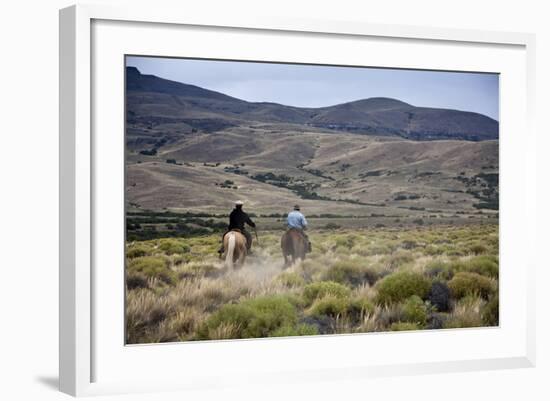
275	200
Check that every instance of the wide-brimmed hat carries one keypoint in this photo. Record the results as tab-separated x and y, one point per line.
239	203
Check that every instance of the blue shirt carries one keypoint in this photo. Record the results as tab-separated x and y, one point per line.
296	219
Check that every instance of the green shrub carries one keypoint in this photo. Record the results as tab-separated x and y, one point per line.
302	329
433	250
378	249
399	259
346	241
484	265
253	318
415	310
321	289
439	269
152	267
278	308
237	316
290	279
330	305
401	285
172	246
137	250
465	283
181	259
404	326
490	312
477	249
453	251
296	300
352	272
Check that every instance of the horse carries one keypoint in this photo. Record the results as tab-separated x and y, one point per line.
293	244
234	243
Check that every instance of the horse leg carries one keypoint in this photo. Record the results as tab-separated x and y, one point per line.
286	260
304	250
240	258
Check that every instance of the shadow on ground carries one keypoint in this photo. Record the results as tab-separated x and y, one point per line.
51	382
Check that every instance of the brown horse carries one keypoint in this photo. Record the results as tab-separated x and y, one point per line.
294	245
234	244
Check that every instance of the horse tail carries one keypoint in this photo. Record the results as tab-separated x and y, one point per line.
290	244
230	251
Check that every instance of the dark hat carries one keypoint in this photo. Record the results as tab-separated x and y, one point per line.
296	207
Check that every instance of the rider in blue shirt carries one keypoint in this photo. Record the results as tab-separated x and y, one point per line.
296	220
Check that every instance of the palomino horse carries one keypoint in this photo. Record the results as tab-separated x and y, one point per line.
293	244
234	244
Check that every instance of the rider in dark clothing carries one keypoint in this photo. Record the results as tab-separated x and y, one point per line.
237	220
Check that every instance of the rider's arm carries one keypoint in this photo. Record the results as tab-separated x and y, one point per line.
304	222
250	222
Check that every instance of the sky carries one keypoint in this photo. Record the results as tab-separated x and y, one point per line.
319	86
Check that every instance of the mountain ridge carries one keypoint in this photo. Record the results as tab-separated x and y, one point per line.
209	111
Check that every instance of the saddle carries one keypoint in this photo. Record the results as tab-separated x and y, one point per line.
237	230
298	231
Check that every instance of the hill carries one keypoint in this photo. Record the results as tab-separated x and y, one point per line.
192	149
154	101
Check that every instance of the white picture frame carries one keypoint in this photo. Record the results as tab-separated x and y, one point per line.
83	323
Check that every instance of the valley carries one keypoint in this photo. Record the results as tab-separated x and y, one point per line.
190	150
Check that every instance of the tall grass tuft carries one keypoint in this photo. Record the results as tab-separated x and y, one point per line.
466	313
144	312
490	312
